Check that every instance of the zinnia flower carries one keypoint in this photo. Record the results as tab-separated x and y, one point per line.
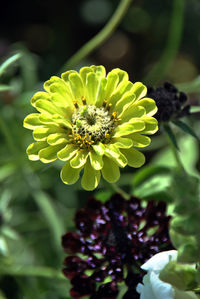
153	287
110	244
170	102
92	122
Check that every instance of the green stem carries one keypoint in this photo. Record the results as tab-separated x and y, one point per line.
120	191
175	153
43	201
161	68
53	220
32	271
116	189
8	62
8	137
97	40
190	87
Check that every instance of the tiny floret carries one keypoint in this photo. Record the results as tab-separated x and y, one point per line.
93	122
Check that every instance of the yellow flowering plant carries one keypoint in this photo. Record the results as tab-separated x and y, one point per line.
93	122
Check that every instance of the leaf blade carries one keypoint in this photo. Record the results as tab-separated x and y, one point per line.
185	128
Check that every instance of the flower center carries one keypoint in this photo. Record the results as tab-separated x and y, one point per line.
92	124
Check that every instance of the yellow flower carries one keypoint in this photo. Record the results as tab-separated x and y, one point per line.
92	122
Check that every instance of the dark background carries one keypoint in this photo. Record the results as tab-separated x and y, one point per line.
54	30
48	33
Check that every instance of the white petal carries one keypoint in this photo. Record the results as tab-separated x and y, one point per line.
145	290
159	261
160	289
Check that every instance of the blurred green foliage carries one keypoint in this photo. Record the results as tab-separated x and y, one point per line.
36	208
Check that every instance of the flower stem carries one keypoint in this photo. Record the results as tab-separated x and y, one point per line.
174	38
8	137
97	40
120	191
116	189
191	86
42	199
32	271
175	152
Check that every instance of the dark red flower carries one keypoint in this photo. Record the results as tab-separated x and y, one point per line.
111	243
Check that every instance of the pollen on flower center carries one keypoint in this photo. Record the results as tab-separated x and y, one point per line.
92	124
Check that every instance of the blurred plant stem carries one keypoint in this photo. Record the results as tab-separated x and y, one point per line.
32	271
174	151
161	68
6	133
42	199
116	189
190	87
97	40
6	64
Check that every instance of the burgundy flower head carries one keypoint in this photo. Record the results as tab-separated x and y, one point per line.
111	243
170	102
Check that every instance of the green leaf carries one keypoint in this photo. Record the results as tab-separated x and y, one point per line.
6	196
103	196
156	187
48	209
147	172
186	190
190	87
184	127
171	136
189	155
8	62
179	239
6	171
189	252
122	290
4	87
2	296
29	270
3	246
162	195
194	109
10	233
179	275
